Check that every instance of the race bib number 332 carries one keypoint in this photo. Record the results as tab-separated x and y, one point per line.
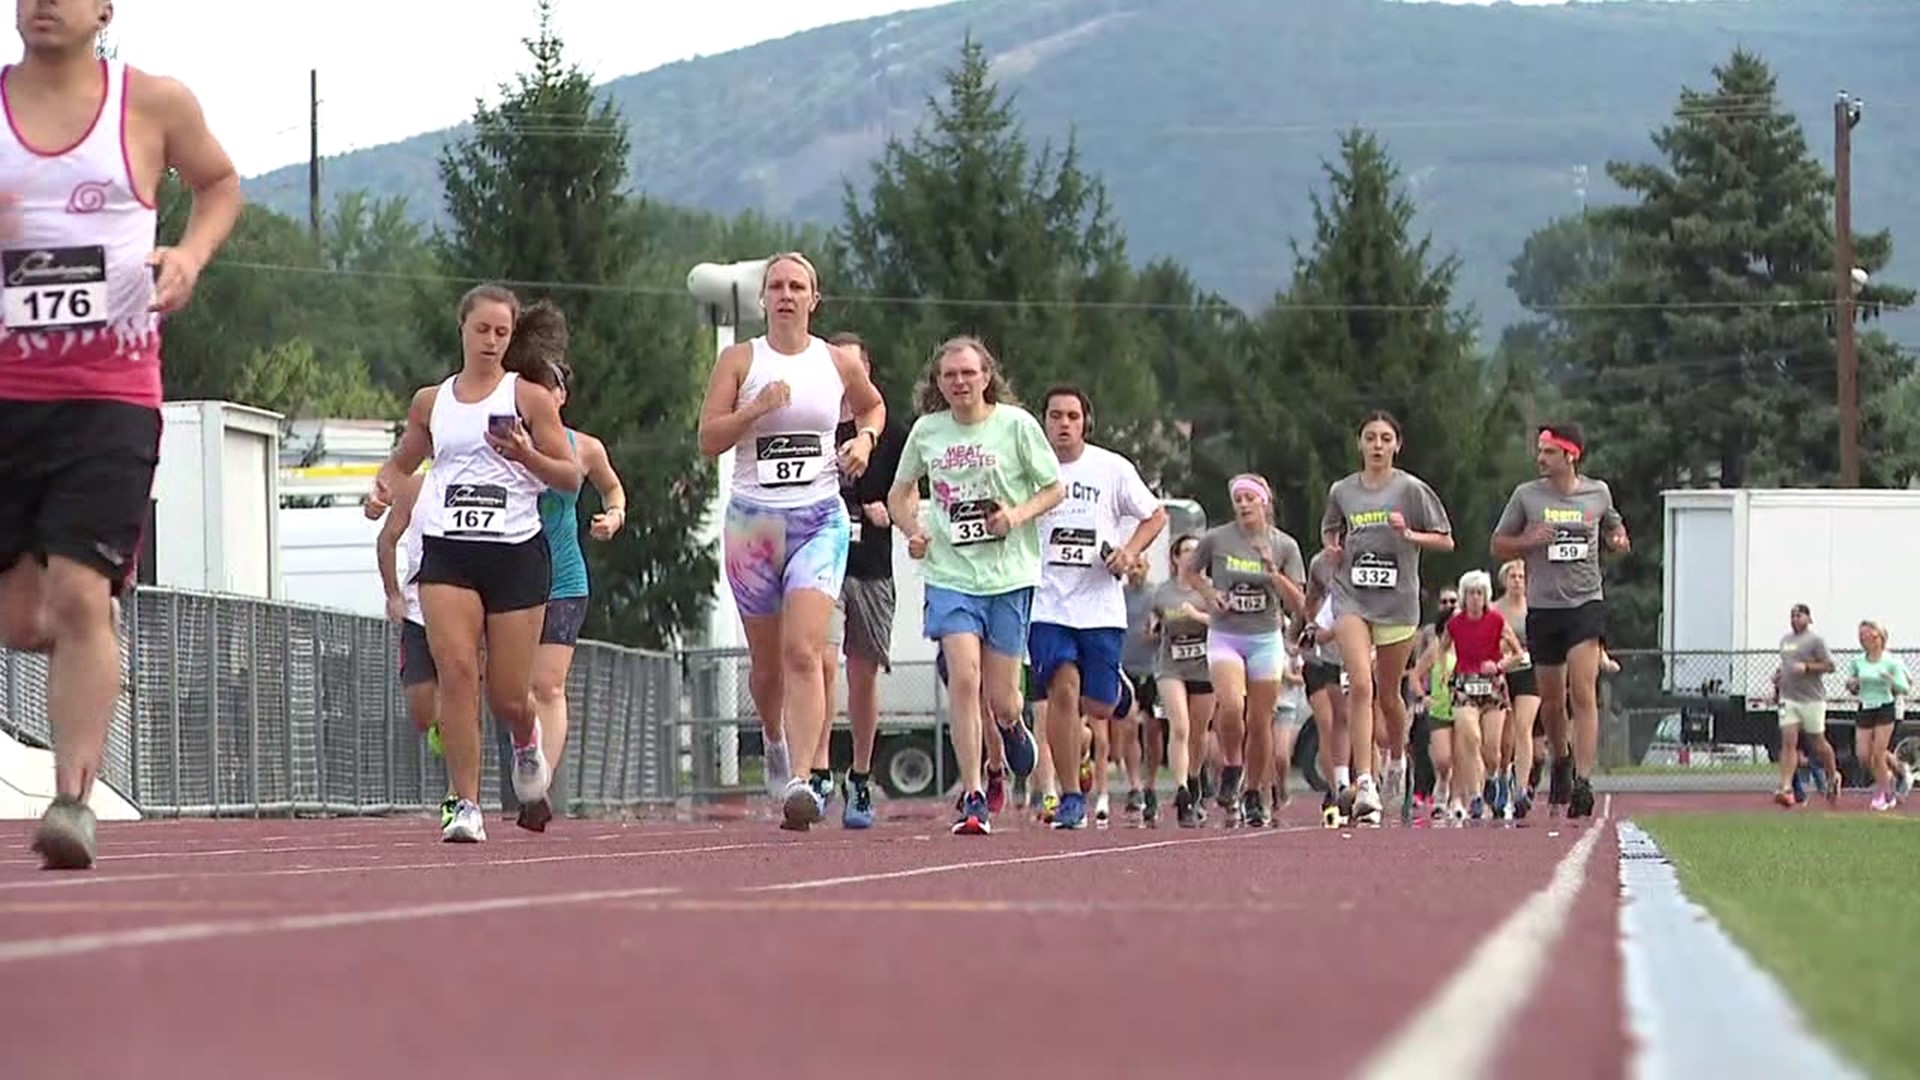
54	288
1373	571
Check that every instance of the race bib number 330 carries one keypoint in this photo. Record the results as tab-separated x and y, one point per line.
54	288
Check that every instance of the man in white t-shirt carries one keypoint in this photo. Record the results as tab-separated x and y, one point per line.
1079	621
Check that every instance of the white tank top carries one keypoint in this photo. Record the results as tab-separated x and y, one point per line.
74	285
472	493
412	547
788	457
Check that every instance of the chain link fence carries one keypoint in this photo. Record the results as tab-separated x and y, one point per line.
1693	721
233	706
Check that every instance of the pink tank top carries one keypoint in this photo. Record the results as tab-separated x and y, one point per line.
75	289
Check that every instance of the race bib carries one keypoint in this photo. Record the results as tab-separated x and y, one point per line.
967	522
1187	647
1374	571
54	288
789	460
1568	545
1071	547
476	510
1245	598
1476	686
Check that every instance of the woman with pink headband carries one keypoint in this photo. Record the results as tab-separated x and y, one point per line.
1249	571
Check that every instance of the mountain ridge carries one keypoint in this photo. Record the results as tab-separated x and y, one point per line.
1209	125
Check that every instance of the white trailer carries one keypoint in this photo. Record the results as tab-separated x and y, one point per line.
1738	560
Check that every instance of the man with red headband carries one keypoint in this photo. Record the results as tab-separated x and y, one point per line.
1557	524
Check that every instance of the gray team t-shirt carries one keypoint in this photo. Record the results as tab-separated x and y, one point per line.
1807	648
1226	556
1183	640
1321	571
1379	572
1137	654
1566	572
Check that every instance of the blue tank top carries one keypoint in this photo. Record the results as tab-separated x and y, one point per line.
560	521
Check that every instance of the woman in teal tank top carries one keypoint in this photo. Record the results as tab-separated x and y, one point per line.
1878	680
543	329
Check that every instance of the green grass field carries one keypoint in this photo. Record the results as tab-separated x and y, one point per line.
1828	904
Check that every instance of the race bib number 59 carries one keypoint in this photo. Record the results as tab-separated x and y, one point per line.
54	288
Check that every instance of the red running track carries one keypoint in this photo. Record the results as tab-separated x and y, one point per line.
725	948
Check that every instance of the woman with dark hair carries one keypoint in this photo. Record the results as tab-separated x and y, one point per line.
1377	523
497	442
539	352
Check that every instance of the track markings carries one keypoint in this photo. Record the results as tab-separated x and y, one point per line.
1020	860
79	944
1459	1031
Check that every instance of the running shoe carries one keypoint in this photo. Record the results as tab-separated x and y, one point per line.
468	826
530	772
1253	809
1072	811
1135	801
1580	802
65	838
779	765
433	741
535	815
974	818
1017	741
447	806
1366	804
996	790
801	807
1150	806
1560	781
1102	810
1186	813
857	809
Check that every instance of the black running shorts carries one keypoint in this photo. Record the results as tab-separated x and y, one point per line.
508	577
78	479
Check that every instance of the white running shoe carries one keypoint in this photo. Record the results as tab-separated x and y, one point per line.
531	776
1366	803
468	825
779	768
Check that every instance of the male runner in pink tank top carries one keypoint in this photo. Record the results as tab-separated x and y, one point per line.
82	295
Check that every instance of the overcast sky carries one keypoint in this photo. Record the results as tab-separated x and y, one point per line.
448	51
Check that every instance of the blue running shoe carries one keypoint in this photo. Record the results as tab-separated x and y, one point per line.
1021	753
1072	812
974	818
857	811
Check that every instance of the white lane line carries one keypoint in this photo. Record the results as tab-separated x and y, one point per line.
78	944
59	881
1688	985
1022	860
1458	1032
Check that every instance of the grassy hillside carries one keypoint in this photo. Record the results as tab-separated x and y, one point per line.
1209	118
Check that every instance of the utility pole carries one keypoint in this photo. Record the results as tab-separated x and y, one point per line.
1846	114
313	153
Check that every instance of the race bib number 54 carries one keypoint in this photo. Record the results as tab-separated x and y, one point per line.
54	288
1070	547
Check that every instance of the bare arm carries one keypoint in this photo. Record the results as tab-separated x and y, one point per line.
723	417
1144	532
903	506
391	530
190	149
415	446
1510	649
1038	503
547	455
613	494
863	398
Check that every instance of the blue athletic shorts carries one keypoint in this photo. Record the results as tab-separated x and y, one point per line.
1095	652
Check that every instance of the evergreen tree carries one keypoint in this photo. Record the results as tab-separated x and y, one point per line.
966	231
534	197
1705	356
1369	324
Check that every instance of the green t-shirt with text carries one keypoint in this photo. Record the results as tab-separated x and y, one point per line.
1003	459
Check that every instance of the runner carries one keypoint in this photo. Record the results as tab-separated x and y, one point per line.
1879	681
1798	687
865	613
1433	680
775	401
496	441
1557	523
419	680
1482	645
1143	749
1249	570
1079	625
540	337
1322	679
85	292
1377	522
992	475
1523	689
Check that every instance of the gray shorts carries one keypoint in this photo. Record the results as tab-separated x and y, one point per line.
867	608
565	617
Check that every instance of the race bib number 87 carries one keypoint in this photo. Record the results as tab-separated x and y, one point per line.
788	460
54	288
